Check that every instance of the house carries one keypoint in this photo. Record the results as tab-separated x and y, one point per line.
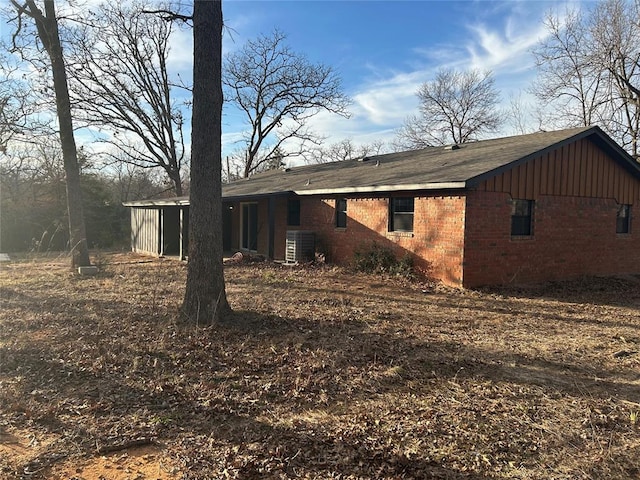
521	209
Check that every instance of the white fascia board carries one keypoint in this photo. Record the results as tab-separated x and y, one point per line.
383	188
156	203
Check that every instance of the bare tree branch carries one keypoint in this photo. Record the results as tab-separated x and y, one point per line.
589	70
455	107
122	83
279	91
345	149
169	15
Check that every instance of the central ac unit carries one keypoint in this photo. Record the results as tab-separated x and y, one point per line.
301	246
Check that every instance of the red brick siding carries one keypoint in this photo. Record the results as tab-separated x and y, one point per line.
572	236
435	244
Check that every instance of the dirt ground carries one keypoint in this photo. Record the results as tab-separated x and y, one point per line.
321	373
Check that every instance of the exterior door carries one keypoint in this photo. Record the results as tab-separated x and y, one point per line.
249	230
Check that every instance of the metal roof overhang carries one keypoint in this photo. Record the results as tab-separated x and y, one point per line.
169	202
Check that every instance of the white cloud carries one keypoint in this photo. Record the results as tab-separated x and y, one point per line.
180	58
507	49
387	97
381	106
388	101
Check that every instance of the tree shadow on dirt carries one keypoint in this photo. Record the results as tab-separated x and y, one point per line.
93	414
353	343
220	390
618	291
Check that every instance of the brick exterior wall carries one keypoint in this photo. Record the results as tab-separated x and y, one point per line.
572	236
436	243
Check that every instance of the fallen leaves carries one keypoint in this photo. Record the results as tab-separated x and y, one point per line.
320	373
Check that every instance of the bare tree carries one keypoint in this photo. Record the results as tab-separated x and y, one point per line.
566	76
454	107
205	300
32	197
522	116
15	104
278	91
47	31
343	150
589	70
121	82
133	183
615	34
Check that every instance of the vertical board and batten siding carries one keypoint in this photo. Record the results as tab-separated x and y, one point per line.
579	169
145	230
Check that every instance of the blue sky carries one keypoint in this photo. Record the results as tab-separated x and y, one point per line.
384	50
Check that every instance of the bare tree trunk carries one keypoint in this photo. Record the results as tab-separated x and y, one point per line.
174	176
205	299
47	26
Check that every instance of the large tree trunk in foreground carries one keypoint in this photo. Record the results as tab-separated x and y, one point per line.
47	26
205	300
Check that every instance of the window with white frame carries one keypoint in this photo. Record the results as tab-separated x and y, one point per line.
401	214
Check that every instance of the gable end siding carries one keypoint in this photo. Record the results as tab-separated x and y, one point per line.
579	169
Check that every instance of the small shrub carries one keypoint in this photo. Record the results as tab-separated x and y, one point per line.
377	259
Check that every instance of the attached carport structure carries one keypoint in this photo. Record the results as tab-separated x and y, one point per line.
161	227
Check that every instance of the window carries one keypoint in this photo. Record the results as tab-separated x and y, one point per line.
293	212
521	217
401	214
623	219
341	213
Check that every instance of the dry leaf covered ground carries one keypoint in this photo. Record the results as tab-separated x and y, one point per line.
321	373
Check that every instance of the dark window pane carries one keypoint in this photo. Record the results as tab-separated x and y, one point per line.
403	222
401	214
293	212
520	225
521	208
403	205
341	213
521	217
250	226
623	219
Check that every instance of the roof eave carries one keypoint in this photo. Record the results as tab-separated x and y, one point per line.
249	196
383	188
158	203
607	143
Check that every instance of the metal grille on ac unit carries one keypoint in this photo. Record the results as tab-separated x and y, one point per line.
301	246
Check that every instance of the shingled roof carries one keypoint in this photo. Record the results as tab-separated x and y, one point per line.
434	168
